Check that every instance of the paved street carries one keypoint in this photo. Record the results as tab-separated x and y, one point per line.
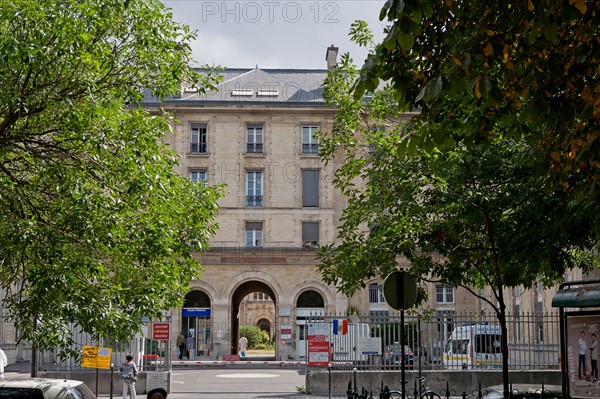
224	383
237	383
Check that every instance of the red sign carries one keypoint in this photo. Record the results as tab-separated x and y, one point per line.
318	351
161	331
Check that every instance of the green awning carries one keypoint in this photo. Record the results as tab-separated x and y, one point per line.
581	297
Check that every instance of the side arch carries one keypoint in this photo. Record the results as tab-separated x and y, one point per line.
315	285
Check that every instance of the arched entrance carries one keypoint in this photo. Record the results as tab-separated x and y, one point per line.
196	323
237	297
310	304
265	325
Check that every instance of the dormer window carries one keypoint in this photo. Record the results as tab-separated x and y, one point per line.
242	93
267	93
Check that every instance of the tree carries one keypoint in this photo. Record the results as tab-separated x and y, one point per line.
257	338
476	216
96	226
471	66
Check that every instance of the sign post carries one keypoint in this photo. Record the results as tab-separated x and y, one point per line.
400	291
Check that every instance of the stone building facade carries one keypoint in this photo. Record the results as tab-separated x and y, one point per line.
255	134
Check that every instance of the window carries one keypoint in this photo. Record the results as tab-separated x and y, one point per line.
310	188
198	138
254	234
445	324
260	296
254	139
309	143
310	234
18	393
254	193
376	293
198	176
444	294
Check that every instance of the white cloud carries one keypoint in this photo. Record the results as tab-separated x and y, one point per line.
273	34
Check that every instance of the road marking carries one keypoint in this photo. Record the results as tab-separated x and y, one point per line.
247	375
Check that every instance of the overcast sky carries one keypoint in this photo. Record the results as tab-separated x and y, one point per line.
291	34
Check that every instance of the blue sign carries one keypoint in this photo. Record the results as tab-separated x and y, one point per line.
195	312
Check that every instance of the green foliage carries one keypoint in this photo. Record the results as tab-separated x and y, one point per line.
301	389
257	338
529	67
466	201
95	224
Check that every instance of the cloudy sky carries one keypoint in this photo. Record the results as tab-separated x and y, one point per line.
274	33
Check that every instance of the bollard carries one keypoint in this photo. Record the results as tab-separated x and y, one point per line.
112	371
329	372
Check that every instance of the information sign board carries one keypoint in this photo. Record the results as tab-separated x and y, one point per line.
318	351
96	357
369	345
161	331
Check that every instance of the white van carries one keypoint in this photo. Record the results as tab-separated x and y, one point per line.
474	347
346	348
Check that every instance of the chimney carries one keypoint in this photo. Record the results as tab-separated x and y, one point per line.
331	57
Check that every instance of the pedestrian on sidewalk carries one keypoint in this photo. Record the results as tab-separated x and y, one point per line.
189	345
594	357
3	363
181	345
243	346
129	373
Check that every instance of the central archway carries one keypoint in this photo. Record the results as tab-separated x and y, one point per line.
236	299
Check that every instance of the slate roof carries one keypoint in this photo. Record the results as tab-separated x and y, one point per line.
258	86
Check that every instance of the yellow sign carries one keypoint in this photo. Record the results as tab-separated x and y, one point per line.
96	357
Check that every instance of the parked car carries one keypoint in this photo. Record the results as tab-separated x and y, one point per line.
523	391
44	388
391	356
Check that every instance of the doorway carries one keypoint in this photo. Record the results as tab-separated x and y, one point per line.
249	306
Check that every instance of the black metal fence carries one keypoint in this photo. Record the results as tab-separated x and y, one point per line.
372	341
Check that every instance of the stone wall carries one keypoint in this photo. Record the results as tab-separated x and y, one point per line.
458	381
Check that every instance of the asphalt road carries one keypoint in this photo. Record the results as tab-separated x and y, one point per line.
226	383
234	383
237	383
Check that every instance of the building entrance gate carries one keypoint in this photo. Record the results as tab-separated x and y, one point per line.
238	295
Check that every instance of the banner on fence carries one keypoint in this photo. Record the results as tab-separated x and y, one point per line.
318	351
96	357
318	344
161	331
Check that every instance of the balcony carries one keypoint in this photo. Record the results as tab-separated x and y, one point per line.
198	148
310	148
254	200
254	148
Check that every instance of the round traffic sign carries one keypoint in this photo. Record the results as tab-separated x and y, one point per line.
400	290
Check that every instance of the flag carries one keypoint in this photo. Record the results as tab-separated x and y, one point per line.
340	327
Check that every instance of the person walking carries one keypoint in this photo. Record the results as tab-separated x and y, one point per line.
3	363
129	373
181	345
582	348
189	346
243	346
594	357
